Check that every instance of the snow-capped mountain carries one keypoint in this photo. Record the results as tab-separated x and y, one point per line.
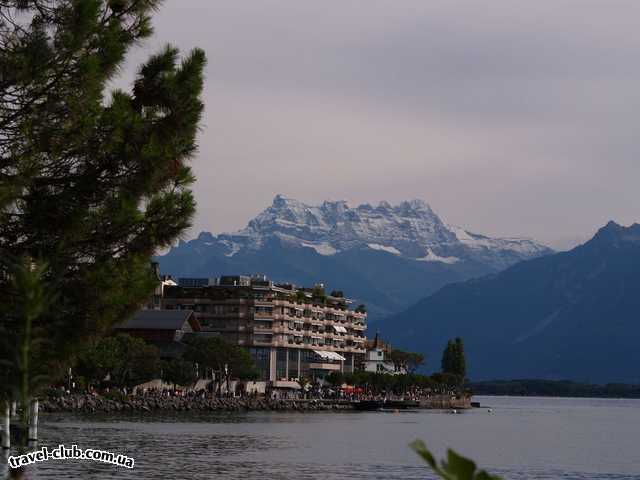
385	255
411	230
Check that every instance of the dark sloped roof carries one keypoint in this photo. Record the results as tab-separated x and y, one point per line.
159	320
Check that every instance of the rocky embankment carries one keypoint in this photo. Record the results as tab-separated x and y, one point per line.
91	404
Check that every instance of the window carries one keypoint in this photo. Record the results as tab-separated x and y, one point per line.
261	358
293	363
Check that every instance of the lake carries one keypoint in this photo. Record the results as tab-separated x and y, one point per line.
522	438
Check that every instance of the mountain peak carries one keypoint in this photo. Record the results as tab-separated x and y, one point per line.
415	207
613	234
280	201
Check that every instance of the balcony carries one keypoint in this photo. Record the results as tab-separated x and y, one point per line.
263	330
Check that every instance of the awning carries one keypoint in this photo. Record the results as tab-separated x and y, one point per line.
330	355
339	329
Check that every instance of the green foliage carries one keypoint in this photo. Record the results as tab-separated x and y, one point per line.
241	364
318	295
179	372
453	359
116	395
335	378
456	467
410	361
337	293
362	308
126	360
381	382
23	341
91	183
227	360
449	380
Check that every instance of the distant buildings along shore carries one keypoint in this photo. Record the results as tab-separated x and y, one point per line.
290	332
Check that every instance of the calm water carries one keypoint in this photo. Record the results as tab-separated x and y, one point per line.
532	438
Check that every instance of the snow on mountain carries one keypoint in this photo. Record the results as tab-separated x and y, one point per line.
411	230
384	248
432	257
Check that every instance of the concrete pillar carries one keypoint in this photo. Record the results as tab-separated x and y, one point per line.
5	434
33	420
273	352
14	409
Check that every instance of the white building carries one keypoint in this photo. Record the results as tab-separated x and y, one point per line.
375	361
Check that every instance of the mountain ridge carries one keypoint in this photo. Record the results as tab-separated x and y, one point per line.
410	229
568	315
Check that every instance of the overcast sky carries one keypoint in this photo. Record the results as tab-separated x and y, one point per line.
509	118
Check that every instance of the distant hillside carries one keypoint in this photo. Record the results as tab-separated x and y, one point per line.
388	257
553	388
572	315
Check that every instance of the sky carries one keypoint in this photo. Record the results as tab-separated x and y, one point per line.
509	118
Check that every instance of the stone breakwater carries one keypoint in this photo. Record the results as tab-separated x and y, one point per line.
91	404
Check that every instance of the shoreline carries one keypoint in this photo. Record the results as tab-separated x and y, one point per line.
567	397
87	403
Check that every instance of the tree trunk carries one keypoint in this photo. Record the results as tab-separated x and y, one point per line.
5	436
33	420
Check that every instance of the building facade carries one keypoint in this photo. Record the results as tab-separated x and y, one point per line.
290	332
376	359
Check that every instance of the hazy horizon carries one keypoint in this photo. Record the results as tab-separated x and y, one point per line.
508	119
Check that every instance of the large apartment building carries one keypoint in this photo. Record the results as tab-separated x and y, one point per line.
290	332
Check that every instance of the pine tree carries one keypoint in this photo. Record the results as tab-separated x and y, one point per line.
453	359
447	358
460	361
91	183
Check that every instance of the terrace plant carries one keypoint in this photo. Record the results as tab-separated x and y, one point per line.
361	308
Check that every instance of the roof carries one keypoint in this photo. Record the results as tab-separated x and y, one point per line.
160	320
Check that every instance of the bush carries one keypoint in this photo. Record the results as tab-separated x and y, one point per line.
53	393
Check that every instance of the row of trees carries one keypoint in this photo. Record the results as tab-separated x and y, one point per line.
399	384
224	360
125	361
